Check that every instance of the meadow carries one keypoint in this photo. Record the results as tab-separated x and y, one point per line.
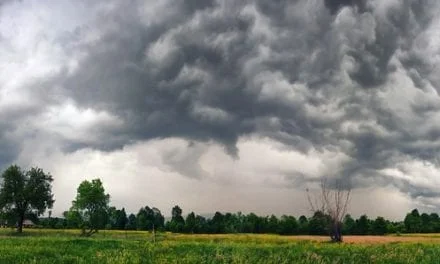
65	246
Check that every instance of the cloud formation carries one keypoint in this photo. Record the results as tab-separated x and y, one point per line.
350	87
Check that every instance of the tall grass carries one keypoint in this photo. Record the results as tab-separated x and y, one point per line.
49	246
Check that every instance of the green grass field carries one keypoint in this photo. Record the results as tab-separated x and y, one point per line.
64	246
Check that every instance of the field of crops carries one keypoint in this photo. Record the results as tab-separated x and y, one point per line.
50	246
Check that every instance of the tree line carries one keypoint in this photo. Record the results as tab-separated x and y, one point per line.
149	218
28	194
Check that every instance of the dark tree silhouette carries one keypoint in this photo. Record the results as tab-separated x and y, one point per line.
25	194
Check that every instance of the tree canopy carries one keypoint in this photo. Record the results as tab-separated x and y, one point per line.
90	207
25	194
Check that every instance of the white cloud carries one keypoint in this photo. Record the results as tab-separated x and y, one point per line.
138	175
72	123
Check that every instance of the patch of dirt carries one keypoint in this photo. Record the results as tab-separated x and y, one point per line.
409	238
389	239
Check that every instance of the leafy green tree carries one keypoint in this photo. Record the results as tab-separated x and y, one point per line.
412	222
349	225
272	224
117	219
149	219
111	217
158	219
54	222
190	223
231	223
176	214
319	224
121	219
380	226
177	223
145	219
426	225
131	222
435	222
288	225
73	219
91	204
303	227
201	225
396	227
251	223
363	226
25	194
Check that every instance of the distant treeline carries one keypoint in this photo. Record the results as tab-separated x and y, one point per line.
148	218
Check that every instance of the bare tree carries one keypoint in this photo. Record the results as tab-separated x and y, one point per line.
332	200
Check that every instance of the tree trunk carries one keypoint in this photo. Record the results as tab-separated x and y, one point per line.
20	224
336	233
89	232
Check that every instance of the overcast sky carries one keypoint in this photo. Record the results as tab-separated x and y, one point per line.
225	105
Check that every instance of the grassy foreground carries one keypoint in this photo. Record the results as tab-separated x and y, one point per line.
48	246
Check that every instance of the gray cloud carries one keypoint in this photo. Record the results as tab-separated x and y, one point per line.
202	83
336	5
313	75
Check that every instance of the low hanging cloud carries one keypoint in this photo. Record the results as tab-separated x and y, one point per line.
350	85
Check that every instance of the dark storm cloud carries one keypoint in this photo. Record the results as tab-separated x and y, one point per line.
335	5
157	99
306	73
166	97
9	152
397	31
10	144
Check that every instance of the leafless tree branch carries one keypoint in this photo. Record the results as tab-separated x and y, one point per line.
332	201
